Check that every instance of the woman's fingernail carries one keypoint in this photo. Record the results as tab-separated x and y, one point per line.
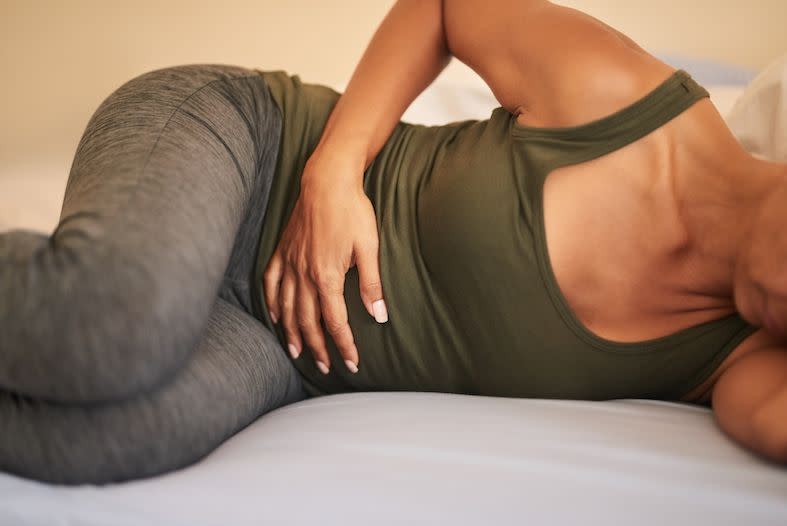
274	318
293	351
351	366
322	367
380	312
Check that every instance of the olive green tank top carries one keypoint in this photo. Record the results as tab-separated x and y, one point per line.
473	304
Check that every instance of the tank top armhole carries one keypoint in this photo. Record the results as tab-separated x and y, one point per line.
716	360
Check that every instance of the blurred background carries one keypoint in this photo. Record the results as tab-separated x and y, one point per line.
60	59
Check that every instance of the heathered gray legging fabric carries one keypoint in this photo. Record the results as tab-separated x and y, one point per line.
127	343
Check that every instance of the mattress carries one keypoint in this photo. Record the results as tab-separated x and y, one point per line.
433	458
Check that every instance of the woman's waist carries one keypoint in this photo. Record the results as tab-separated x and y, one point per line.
490	346
416	349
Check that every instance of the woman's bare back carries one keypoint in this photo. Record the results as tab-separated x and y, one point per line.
618	247
621	253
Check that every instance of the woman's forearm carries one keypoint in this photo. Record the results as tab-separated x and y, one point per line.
407	52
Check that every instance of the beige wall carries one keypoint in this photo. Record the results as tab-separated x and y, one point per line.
61	58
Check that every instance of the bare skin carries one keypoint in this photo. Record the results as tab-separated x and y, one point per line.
684	227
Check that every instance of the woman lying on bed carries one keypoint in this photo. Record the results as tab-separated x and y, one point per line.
152	324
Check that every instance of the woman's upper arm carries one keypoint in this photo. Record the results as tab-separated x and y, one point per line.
554	63
481	34
750	402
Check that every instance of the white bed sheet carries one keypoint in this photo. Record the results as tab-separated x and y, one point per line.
429	458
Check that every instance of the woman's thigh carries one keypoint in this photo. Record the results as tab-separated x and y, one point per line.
170	167
237	372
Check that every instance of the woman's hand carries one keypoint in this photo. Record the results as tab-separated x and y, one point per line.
332	228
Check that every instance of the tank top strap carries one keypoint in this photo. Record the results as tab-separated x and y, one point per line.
571	145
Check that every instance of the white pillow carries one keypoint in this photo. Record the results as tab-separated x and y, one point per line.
759	117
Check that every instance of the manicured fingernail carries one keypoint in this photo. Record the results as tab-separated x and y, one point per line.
322	367
274	318
380	312
293	351
351	366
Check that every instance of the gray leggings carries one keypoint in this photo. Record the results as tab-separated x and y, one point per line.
127	343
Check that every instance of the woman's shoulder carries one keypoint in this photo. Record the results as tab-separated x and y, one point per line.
553	66
578	96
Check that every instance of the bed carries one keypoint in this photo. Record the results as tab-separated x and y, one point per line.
432	458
